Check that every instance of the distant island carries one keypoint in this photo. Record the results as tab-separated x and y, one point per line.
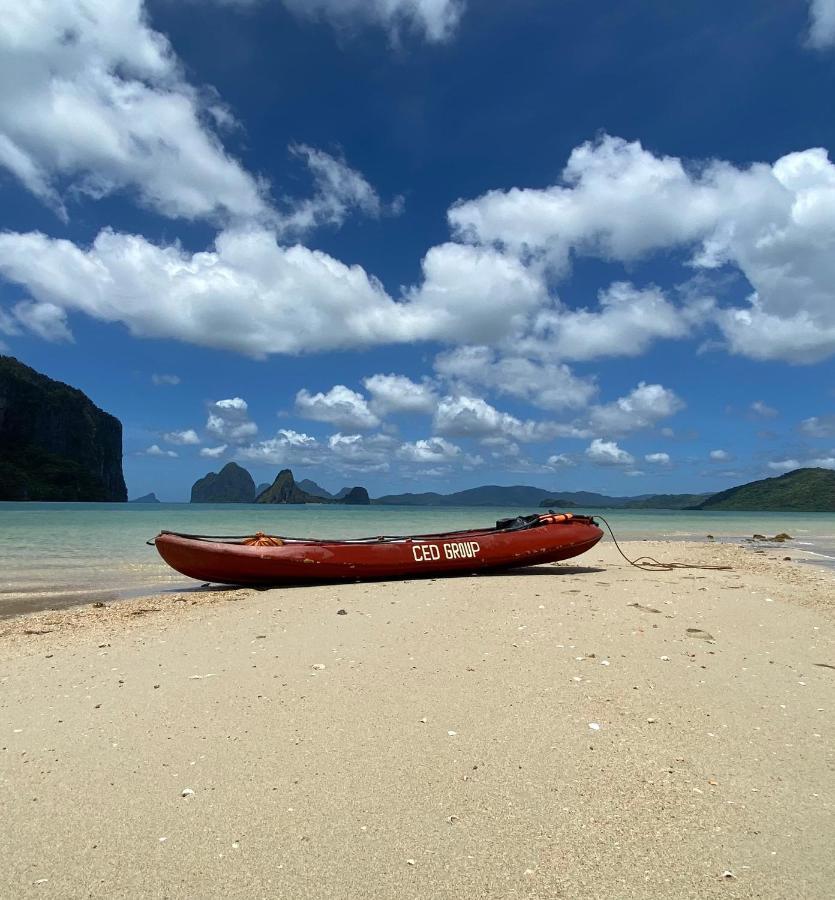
804	490
145	498
55	443
234	484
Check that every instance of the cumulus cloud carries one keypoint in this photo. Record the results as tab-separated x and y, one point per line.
720	456
546	385
164	380
784	465
822	26
626	321
340	406
433	450
560	461
819	426
398	394
643	407
436	20
362	453
182	438
94	101
762	410
617	200
46	320
608	453
473	293
339	190
660	459
286	448
229	421
213	452
156	450
818	462
254	296
474	417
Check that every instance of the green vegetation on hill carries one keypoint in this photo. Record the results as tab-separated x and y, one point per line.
803	490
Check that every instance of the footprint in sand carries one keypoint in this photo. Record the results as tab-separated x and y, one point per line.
700	634
651	609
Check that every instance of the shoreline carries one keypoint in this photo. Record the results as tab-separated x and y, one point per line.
26	603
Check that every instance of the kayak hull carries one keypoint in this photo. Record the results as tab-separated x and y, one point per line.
297	561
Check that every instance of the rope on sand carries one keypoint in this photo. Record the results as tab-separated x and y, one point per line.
650	564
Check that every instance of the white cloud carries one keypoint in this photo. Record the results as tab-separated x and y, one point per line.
474	417
546	385
822	26
94	101
762	410
46	320
608	453
213	452
473	293
229	420
784	465
361	453
182	438
156	450
787	465
641	408
339	190
286	448
660	459
436	20
8	325
398	394
164	380
560	460
340	406
616	200
720	456
253	296
819	426
433	450
626	322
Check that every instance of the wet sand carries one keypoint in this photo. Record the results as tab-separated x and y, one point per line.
577	730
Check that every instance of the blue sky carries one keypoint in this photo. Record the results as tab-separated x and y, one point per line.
431	244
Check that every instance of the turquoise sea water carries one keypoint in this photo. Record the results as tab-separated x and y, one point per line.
58	553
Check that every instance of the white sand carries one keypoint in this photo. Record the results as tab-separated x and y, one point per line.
446	749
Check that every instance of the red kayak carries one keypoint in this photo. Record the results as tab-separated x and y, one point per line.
266	559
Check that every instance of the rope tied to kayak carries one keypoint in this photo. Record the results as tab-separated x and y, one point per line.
650	564
259	539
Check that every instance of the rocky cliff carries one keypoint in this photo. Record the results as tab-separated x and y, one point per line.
285	490
55	443
356	496
233	484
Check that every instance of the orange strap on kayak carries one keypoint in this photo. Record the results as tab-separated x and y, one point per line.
551	518
263	540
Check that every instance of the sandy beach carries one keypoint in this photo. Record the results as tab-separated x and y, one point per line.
576	730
